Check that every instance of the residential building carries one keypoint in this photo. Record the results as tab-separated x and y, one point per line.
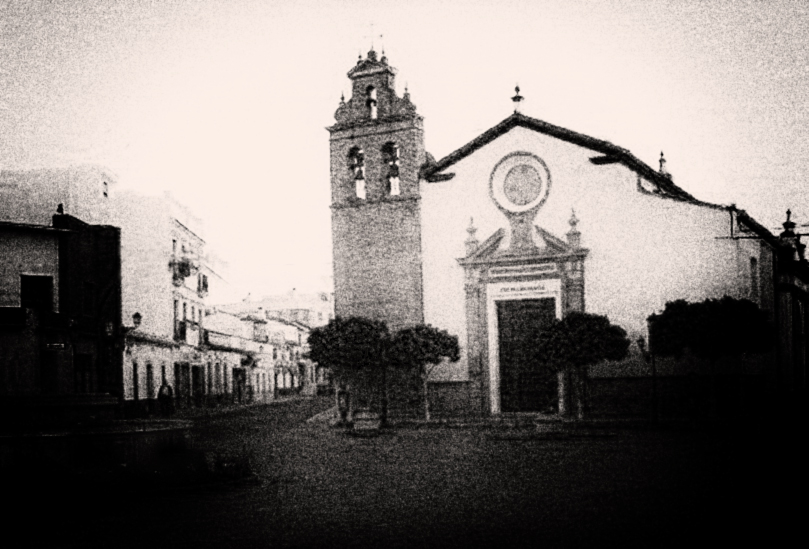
242	346
310	309
165	275
166	280
60	291
33	196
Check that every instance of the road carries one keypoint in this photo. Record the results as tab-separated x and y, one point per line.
319	487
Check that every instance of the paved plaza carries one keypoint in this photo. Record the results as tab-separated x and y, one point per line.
313	485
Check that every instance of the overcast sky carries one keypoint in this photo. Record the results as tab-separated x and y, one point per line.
225	103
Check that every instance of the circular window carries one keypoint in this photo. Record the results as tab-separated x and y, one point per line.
520	182
522	185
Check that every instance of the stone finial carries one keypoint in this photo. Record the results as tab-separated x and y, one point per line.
789	227
472	241
789	224
573	235
342	98
372	54
790	239
517	99
663	170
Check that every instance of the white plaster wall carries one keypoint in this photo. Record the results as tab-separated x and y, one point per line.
227	323
31	196
27	253
644	250
146	285
141	354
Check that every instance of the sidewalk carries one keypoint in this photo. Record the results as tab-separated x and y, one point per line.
204	411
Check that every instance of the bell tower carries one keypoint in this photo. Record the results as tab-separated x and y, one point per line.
377	149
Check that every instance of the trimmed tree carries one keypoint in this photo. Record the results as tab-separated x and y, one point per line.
353	349
570	345
711	330
421	348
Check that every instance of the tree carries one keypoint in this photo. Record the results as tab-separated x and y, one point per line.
710	329
421	348
353	349
570	345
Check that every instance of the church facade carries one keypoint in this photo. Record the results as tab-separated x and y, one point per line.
517	227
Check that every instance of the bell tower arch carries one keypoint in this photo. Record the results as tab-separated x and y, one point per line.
377	149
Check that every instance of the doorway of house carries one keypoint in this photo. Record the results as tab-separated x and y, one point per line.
525	384
197	385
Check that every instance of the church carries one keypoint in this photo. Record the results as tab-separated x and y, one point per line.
521	225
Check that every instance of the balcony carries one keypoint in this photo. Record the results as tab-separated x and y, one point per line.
181	268
202	285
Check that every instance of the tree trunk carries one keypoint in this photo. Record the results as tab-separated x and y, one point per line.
426	401
561	377
384	415
580	375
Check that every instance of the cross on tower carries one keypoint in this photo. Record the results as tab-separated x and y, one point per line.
373	36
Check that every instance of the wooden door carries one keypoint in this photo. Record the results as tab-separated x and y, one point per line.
525	384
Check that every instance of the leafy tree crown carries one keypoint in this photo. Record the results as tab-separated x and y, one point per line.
579	340
350	344
710	329
422	345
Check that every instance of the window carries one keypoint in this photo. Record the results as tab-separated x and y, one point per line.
370	101
176	317
36	292
174	246
356	166
390	156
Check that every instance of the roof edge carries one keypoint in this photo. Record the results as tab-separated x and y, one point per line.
611	154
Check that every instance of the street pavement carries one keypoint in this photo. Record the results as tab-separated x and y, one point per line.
312	485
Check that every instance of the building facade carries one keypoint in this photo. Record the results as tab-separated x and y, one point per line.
164	275
59	320
519	226
310	309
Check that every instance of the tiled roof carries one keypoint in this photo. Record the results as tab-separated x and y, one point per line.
610	154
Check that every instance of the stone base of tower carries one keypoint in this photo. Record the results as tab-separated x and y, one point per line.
377	262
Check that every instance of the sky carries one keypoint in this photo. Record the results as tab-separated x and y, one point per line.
225	103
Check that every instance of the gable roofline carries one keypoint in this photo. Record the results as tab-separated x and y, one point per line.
755	227
611	154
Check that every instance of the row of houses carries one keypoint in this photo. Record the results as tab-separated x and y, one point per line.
105	303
